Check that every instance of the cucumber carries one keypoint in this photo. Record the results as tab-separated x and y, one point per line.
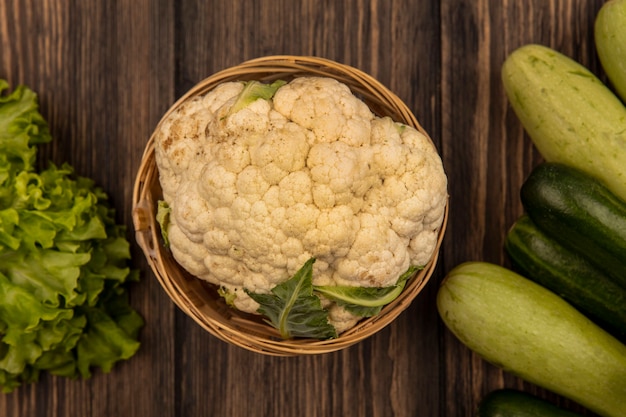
540	258
580	213
508	402
610	40
534	334
570	115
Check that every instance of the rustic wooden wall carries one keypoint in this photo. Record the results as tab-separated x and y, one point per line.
106	70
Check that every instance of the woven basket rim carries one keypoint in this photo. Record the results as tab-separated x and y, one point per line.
191	294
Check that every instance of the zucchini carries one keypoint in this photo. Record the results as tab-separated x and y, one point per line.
570	115
534	334
508	402
580	213
540	258
610	40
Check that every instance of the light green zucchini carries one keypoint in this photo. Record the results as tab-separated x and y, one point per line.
570	115
610	40
534	334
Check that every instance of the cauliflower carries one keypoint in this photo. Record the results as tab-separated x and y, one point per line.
261	178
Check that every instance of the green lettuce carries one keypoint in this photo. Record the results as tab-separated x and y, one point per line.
64	262
21	127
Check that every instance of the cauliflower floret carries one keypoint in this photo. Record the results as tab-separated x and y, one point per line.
326	107
216	185
193	215
341	319
333	234
257	190
220	95
388	151
344	169
282	151
251	184
295	188
178	143
188	253
377	256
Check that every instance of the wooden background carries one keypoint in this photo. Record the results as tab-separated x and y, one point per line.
106	70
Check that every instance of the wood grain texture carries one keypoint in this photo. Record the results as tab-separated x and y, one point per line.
106	70
486	152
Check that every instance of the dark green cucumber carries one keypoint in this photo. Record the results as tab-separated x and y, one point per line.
513	403
540	258
580	213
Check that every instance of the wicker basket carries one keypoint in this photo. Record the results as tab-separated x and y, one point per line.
200	300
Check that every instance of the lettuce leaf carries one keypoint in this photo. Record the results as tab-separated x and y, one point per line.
21	127
64	262
106	340
294	310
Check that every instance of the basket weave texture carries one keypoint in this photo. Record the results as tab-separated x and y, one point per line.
200	300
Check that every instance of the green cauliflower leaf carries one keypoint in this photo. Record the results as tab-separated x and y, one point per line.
294	310
366	301
254	90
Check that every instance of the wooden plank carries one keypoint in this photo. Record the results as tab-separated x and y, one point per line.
486	151
389	40
104	75
107	70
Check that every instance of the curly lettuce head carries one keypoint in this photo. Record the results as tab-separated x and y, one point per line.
64	262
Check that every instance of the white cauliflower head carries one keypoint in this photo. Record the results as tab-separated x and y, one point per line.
256	190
